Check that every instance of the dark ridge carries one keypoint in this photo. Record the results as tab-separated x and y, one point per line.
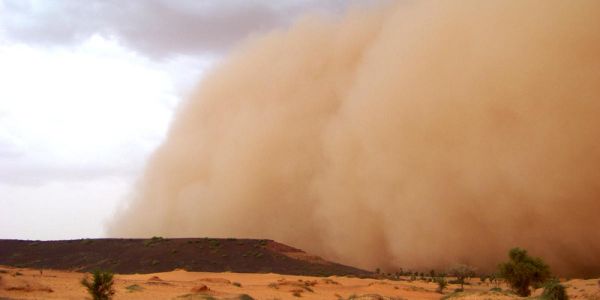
128	256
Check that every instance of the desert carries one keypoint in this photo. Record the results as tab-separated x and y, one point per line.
180	284
254	149
208	268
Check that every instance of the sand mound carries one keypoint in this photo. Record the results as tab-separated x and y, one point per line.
329	281
298	286
154	278
24	286
215	280
373	297
201	288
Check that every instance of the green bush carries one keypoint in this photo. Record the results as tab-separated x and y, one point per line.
553	290
101	287
523	271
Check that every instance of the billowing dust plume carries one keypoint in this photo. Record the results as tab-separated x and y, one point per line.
416	135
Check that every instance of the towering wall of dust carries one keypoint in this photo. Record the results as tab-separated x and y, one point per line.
418	135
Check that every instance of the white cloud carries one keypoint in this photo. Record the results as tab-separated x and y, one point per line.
93	104
59	210
76	126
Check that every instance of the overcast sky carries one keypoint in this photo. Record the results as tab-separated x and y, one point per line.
88	88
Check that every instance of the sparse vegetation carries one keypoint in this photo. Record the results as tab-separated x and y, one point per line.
442	283
101	286
553	290
245	297
371	297
197	297
523	271
153	240
236	284
493	279
134	288
214	244
462	272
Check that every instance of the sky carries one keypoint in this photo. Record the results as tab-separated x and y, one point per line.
87	91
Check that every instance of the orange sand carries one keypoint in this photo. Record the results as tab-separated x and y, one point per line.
29	284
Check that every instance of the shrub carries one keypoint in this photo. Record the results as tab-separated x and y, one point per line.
442	283
553	290
134	288
101	287
523	271
245	297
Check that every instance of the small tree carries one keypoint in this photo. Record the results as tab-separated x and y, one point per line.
523	271
553	290
442	283
101	287
462	272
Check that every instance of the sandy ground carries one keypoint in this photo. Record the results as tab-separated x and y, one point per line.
30	284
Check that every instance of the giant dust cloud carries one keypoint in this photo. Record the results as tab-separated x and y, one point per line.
414	135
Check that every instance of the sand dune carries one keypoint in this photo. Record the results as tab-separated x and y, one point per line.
179	284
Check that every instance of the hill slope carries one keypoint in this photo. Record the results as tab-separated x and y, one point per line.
127	256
